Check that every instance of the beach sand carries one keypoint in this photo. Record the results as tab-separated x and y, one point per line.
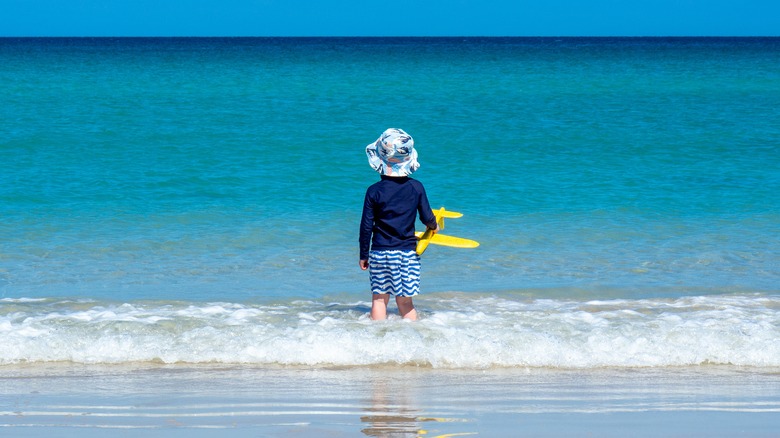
67	400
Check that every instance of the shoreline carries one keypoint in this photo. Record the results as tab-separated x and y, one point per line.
205	400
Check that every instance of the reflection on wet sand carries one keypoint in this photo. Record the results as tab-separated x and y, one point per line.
391	425
395	413
405	426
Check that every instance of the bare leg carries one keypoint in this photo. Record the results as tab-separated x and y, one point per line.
379	306
406	308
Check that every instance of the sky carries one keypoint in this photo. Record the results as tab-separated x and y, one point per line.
389	17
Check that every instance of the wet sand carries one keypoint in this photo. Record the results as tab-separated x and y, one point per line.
68	400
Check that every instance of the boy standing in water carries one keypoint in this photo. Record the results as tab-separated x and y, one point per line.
390	209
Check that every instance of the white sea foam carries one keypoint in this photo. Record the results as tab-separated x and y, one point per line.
21	300
466	332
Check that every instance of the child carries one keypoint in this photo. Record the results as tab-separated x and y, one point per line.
389	212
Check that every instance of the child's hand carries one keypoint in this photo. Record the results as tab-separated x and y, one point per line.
364	264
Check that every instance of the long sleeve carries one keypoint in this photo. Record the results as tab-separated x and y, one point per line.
424	208
366	227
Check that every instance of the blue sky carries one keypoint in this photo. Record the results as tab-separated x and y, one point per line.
389	17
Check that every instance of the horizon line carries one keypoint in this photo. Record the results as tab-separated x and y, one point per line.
390	36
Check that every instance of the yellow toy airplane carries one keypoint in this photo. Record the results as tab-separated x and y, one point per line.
427	237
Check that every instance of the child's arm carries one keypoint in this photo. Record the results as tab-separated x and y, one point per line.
366	228
426	213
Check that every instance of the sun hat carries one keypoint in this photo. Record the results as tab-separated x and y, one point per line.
393	153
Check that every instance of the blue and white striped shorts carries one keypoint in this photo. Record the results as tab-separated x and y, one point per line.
394	272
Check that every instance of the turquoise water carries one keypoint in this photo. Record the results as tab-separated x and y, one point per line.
219	182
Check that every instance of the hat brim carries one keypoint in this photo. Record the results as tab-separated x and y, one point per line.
387	168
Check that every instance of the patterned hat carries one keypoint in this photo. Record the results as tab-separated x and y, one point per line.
393	154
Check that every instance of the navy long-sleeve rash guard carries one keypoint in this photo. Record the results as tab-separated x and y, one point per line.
389	212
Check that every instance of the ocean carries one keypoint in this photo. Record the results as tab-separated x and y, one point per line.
195	201
221	181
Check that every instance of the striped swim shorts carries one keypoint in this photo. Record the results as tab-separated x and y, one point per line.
394	272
